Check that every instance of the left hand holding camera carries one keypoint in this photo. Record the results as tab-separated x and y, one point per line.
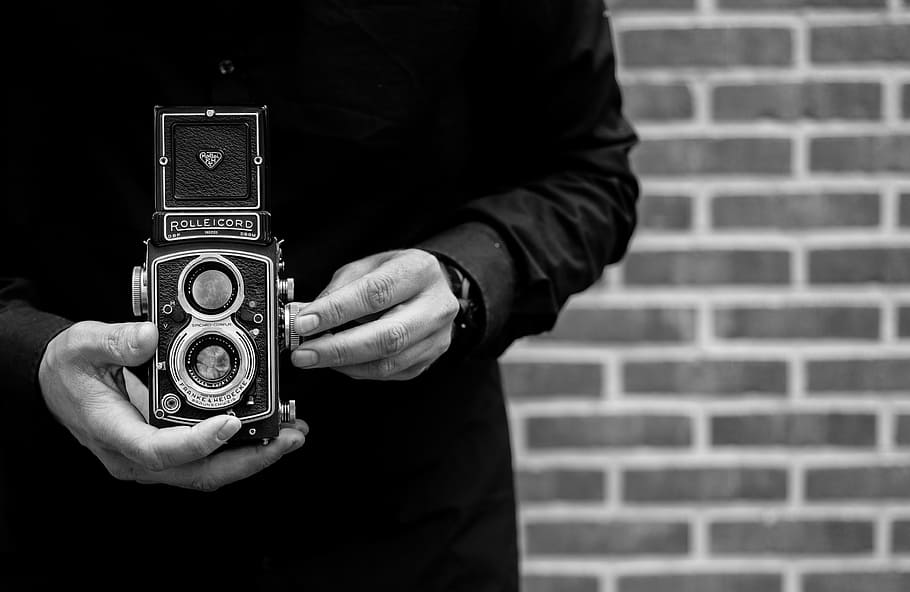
405	305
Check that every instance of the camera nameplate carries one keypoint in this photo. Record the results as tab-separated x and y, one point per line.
235	225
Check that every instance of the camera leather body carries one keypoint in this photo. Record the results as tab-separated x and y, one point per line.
211	281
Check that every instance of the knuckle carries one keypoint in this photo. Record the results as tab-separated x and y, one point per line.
267	461
385	368
76	337
121	472
154	461
451	307
377	292
205	483
413	373
147	455
448	311
394	339
423	260
335	311
115	342
339	354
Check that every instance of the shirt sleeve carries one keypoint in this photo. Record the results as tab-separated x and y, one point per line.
24	335
555	186
25	330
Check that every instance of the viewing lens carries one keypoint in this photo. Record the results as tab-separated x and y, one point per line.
212	289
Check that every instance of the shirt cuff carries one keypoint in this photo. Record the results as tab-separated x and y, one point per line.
24	335
480	253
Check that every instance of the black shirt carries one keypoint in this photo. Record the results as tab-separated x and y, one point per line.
487	131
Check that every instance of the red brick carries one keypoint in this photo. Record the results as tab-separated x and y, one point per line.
801	4
858	483
798	322
560	485
791	101
606	538
903	430
857	582
543	380
857	376
650	5
903	321
713	156
722	377
906	101
706	267
796	430
787	538
706	47
905	209
704	485
900	536
859	266
665	212
805	211
866	154
614	431
625	325
657	102
702	582
860	44
541	583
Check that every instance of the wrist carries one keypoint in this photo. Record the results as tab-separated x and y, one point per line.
465	326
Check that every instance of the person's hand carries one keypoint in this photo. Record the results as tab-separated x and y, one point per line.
85	386
409	308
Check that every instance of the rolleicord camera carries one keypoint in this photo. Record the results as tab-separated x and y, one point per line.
211	279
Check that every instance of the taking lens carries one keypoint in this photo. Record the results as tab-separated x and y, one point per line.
212	361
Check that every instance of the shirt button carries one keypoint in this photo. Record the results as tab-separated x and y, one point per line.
225	66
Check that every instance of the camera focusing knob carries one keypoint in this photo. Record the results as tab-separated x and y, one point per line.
291	338
140	291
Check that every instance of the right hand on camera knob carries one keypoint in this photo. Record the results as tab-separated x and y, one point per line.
86	386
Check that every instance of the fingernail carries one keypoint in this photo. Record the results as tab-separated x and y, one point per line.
141	332
307	323
228	428
296	445
304	358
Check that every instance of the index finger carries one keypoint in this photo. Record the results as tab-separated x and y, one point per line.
120	427
375	292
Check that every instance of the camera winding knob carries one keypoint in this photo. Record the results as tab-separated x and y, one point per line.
140	291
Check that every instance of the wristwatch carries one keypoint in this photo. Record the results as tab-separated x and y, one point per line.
467	324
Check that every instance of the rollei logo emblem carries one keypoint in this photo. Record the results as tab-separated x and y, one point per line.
211	158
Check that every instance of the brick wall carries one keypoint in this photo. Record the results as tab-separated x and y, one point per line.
729	410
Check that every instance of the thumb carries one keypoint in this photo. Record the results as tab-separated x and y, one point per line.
118	344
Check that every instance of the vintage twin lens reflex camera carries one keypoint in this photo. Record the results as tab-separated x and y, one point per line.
211	278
